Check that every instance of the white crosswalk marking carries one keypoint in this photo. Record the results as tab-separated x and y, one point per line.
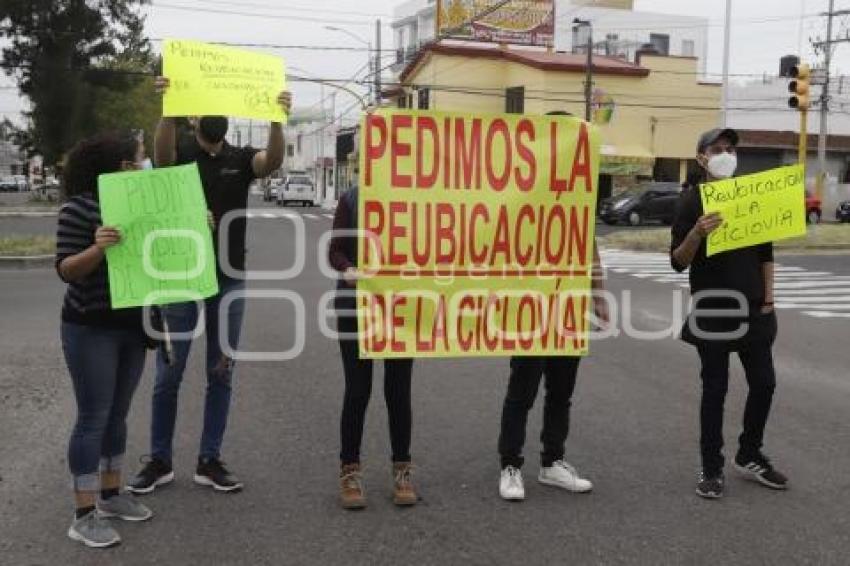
818	294
272	214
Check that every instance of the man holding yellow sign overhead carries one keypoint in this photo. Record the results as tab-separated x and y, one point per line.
732	312
226	174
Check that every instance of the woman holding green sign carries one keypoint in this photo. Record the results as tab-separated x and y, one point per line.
733	312
104	348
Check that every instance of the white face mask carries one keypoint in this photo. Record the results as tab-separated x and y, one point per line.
722	165
146	163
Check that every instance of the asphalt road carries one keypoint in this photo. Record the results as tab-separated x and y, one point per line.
634	434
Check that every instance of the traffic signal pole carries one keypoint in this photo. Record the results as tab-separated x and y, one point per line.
799	100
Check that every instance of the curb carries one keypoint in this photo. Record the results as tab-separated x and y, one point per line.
26	262
27	213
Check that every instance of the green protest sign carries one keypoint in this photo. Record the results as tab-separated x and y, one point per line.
166	252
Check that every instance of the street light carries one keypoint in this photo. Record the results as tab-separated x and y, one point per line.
368	44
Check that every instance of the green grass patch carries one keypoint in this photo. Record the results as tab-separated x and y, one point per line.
27	245
818	237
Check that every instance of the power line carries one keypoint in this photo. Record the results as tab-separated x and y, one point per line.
317	20
372	15
290	46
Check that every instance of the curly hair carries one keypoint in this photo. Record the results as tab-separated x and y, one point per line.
94	156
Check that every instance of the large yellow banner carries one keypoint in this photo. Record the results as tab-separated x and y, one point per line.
477	234
213	80
758	208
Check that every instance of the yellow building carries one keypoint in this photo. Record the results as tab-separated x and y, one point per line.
650	112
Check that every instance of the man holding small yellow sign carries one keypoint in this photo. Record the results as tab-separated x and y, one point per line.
732	294
208	83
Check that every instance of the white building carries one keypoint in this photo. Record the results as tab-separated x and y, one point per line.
763	105
310	140
618	30
414	24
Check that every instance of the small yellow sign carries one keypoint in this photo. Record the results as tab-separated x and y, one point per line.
212	80
758	208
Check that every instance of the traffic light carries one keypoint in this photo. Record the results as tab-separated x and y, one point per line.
799	87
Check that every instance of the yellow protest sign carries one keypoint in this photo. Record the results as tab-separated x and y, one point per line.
477	234
214	80
758	208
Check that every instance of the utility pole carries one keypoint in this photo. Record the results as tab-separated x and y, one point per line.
824	97
588	76
724	116
824	103
378	62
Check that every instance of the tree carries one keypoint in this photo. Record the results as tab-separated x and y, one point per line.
65	56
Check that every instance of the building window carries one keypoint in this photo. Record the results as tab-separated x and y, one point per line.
290	150
424	98
402	101
661	42
298	143
515	100
688	47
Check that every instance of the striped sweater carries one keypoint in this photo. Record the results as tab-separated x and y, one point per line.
87	301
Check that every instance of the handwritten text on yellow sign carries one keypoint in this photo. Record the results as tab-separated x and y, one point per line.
758	208
213	80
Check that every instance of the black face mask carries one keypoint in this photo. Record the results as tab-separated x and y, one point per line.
213	128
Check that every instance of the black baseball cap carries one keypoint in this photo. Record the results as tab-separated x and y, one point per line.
711	136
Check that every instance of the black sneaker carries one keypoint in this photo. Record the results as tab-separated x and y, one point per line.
758	468
710	486
155	473
211	472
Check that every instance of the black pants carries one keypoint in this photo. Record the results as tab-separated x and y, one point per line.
525	377
358	389
761	379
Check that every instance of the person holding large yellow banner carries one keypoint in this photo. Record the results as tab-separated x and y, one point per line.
342	256
732	312
560	374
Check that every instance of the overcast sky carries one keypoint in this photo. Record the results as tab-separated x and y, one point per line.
756	44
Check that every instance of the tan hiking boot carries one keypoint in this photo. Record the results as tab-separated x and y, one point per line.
351	487
403	492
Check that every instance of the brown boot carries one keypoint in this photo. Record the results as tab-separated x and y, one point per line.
403	492
351	487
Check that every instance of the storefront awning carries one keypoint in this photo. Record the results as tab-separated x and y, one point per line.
623	160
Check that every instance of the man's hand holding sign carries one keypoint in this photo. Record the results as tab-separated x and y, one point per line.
480	234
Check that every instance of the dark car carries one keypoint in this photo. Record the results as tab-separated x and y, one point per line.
649	202
842	213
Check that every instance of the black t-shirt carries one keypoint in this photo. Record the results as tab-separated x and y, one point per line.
737	270
226	178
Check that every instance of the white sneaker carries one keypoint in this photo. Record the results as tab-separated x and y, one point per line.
563	475
510	484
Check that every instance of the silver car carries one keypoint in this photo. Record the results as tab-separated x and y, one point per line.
297	189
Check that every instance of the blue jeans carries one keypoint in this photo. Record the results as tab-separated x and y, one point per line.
183	317
105	366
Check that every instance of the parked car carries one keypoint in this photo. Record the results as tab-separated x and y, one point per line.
650	201
297	188
8	185
813	210
271	187
842	213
